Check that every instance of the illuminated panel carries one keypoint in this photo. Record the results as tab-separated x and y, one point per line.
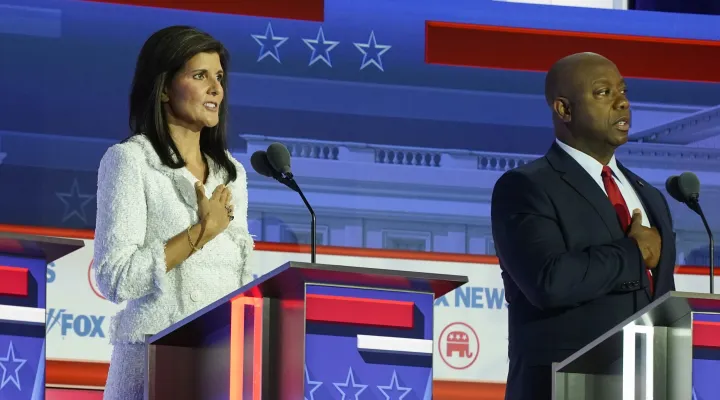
359	311
395	345
524	49
246	348
72	394
14	281
306	10
76	373
26	315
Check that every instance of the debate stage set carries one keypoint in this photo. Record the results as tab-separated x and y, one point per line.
400	117
360	329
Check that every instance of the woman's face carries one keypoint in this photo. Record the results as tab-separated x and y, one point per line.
194	96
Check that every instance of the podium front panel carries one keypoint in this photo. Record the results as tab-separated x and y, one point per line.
22	327
706	355
370	343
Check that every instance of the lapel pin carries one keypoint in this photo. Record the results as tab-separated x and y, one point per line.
640	183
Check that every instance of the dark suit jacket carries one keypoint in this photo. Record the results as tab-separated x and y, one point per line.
570	272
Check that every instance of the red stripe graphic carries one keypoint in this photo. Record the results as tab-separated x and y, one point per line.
14	281
306	10
525	49
357	311
706	334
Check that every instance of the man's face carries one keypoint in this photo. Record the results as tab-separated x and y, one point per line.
599	108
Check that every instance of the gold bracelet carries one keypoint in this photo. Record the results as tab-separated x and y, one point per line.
194	248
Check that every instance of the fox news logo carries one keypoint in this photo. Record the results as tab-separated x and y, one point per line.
80	325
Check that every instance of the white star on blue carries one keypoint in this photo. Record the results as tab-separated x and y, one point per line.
320	48
372	52
12	377
269	44
350	386
75	202
396	391
310	386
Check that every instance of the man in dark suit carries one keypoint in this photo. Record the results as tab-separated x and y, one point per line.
583	242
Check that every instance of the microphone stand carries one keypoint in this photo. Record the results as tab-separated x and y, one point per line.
289	181
694	204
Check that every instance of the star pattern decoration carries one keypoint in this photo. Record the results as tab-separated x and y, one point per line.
310	386
394	391
458	336
372	52
350	385
7	376
320	48
75	202
269	44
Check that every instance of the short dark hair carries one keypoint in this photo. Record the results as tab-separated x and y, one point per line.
161	57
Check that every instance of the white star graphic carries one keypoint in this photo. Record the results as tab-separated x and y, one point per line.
309	395
13	377
372	52
350	383
269	44
320	48
394	386
75	202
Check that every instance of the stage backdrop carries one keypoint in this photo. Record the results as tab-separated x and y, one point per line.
78	315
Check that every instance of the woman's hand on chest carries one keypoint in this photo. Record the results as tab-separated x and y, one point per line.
216	212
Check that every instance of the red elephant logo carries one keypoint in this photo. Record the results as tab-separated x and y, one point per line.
458	345
457	342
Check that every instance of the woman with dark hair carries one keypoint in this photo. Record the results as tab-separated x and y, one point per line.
166	239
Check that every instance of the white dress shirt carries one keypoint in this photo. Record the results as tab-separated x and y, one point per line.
594	168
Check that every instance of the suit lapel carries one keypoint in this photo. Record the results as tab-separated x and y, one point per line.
654	210
586	186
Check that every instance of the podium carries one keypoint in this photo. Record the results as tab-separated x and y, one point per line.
304	330
23	277
670	350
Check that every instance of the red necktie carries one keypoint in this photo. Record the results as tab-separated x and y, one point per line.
621	208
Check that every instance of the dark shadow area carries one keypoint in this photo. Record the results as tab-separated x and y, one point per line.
406	360
21	329
707	7
706	353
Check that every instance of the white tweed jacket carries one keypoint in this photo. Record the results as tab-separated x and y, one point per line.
141	204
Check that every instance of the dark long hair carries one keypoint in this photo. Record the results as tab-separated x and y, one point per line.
161	57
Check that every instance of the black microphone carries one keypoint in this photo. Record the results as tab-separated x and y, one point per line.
685	188
278	157
261	165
